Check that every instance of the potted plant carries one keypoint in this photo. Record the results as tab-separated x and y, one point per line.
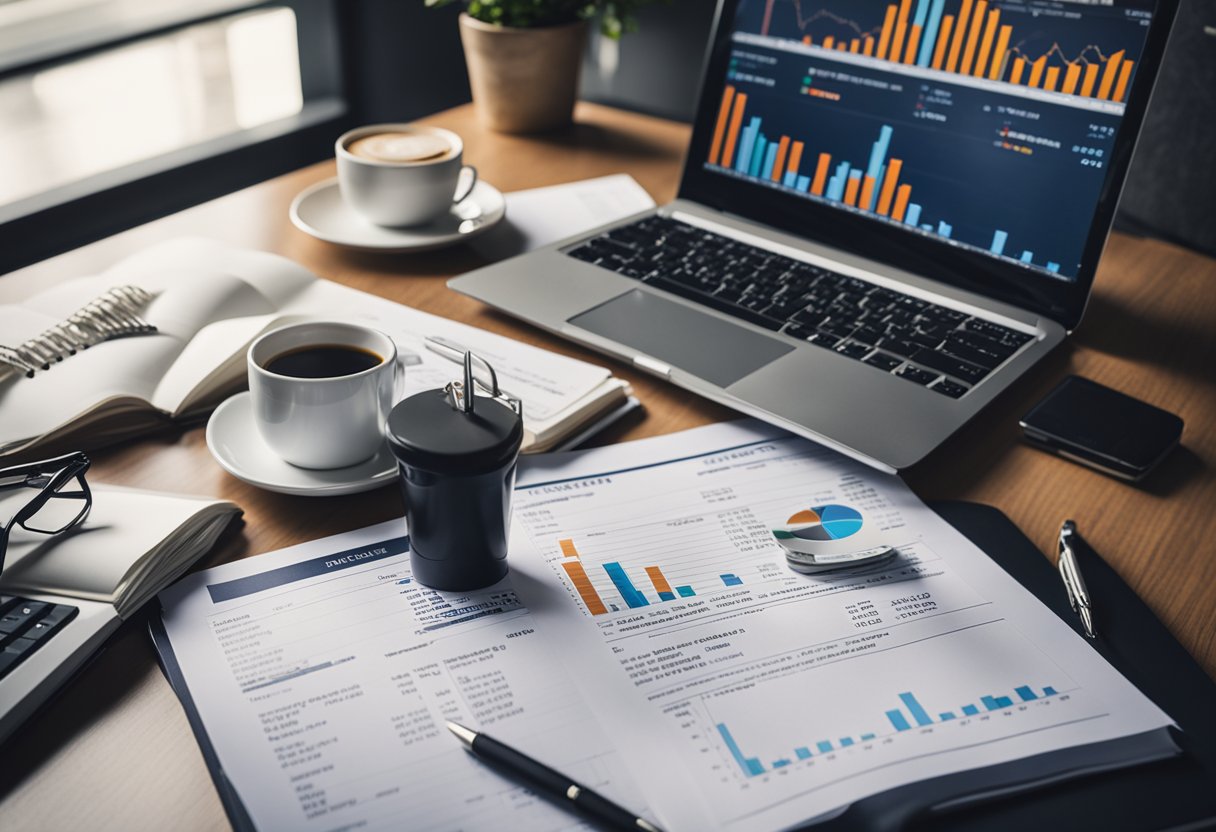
524	56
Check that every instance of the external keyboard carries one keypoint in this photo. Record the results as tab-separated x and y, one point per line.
26	625
921	342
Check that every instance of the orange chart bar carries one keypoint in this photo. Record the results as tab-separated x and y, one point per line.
782	148
1036	71
901	27
568	549
973	36
888	23
1015	74
1053	77
582	584
1091	78
943	38
1109	74
960	32
981	63
901	202
732	132
998	57
1125	75
720	127
660	582
888	186
1071	76
795	158
821	174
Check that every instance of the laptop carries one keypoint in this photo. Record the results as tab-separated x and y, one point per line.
889	211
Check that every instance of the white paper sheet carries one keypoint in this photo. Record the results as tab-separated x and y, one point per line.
541	216
324	674
747	696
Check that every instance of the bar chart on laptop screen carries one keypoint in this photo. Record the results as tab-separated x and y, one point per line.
677	571
988	125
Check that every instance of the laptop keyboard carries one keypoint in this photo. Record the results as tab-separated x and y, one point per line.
26	625
940	348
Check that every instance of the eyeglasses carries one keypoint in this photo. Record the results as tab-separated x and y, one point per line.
63	499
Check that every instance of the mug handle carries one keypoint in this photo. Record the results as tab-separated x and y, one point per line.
472	185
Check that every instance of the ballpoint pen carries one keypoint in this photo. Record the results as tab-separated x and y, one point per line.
553	783
1070	572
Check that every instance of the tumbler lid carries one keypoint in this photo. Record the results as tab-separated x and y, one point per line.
426	431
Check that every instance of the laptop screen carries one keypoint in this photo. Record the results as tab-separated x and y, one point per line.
988	126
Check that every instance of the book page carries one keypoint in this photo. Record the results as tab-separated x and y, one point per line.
93	560
324	674
653	568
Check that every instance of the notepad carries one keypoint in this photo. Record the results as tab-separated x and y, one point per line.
210	301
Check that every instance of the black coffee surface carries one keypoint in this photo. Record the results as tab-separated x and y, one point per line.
323	361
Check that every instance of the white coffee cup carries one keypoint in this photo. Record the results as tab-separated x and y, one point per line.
403	190
326	422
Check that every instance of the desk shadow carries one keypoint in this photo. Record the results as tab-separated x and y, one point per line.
603	139
444	263
1175	471
1116	329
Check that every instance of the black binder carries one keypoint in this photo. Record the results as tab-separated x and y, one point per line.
1176	791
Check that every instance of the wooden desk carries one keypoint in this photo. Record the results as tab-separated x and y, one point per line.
115	752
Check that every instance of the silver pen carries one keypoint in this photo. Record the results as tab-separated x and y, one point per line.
1070	572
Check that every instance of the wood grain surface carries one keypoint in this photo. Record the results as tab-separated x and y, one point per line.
114	751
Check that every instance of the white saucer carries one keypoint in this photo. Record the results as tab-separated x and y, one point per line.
320	211
237	446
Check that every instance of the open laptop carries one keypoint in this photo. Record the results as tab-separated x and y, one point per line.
889	211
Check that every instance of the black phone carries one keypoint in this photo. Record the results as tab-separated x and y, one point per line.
1110	431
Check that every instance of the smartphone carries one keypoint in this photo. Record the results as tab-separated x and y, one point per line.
1102	428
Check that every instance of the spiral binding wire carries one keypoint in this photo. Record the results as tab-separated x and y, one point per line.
114	314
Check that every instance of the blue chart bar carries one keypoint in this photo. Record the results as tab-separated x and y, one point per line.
845	742
757	155
867	737
1004	702
898	720
1025	693
747	142
1027	256
730	579
989	702
824	745
945	715
998	241
836	185
970	710
878	157
1053	267
633	598
930	39
944	228
751	765
685	591
789	179
918	713
780	763
667	596
803	753
912	217
803	184
770	158
1049	691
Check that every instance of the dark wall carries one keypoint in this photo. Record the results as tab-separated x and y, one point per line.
1171	189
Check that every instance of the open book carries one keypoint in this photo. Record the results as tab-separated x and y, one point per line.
211	301
131	546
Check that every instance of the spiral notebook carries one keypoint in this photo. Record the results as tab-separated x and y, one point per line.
199	304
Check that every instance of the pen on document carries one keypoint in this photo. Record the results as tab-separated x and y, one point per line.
1070	572
552	783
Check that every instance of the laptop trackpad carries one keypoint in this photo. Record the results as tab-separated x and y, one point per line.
713	349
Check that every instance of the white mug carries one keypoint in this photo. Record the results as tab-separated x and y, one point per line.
331	422
395	193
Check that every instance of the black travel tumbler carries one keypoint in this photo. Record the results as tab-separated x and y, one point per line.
457	455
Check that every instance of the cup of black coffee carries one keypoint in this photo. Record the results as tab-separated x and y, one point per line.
322	391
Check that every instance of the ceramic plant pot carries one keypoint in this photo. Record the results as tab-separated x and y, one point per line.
523	80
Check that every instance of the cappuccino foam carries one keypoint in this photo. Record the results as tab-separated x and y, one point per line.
401	147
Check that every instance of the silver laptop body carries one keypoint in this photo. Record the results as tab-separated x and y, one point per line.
862	411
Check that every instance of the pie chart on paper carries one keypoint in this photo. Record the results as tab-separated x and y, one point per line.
826	522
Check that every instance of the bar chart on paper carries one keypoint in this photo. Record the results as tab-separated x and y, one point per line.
670	593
